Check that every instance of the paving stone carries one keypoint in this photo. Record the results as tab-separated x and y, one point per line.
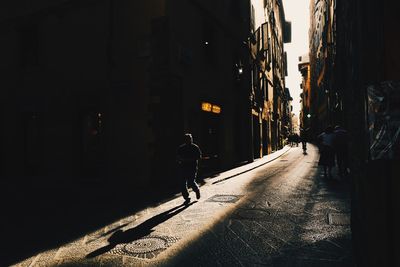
275	215
27	262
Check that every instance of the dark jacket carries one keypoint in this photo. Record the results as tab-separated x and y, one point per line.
188	156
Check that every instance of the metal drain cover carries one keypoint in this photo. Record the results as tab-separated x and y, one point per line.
338	218
224	198
145	248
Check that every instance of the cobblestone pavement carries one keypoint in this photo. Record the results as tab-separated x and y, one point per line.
282	213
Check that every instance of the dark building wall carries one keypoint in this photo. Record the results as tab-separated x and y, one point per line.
364	55
204	51
76	97
391	40
104	89
377	62
57	72
132	76
92	90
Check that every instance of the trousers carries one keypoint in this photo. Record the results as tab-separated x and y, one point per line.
188	180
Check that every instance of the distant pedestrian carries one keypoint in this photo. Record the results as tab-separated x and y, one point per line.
304	139
188	155
296	139
340	145
327	152
291	139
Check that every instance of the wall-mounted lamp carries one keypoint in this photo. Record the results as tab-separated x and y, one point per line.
239	70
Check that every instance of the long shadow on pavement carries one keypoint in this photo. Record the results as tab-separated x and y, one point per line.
36	219
139	231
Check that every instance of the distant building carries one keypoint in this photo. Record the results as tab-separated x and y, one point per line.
307	114
295	124
270	98
322	61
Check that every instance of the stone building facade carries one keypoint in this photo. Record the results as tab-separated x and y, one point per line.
104	90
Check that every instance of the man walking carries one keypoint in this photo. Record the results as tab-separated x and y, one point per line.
327	152
188	155
341	140
304	139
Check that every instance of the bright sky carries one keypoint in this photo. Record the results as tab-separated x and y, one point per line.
296	11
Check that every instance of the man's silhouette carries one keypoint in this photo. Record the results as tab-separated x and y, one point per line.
188	155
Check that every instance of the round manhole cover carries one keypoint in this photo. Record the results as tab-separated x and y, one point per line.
146	247
224	198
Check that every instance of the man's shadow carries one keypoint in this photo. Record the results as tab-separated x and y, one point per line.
142	230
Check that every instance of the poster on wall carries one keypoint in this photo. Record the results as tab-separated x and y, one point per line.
384	120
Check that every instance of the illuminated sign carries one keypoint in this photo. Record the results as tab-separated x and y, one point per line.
216	109
208	107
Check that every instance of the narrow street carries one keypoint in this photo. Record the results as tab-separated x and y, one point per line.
285	219
282	213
